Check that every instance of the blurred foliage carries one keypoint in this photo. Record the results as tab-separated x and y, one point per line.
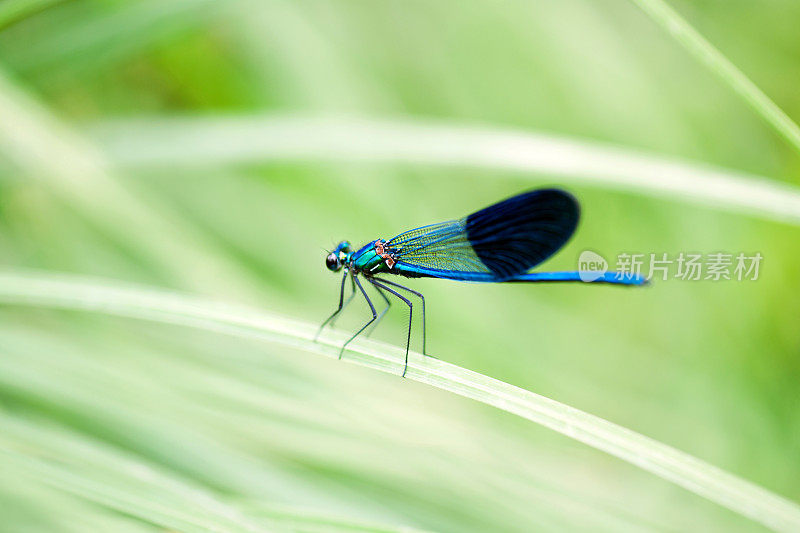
179	418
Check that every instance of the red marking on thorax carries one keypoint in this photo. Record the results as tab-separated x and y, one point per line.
381	251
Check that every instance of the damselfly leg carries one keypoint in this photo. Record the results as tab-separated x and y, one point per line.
365	326
421	297
382	313
338	309
410	316
349	299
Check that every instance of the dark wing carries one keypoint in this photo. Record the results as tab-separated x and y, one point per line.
505	239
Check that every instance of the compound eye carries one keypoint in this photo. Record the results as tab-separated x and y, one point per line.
332	262
344	246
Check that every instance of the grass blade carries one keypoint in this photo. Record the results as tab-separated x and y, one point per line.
205	141
712	58
13	10
134	487
73	293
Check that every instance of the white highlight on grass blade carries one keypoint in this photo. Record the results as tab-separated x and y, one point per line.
187	514
181	507
705	52
74	293
204	141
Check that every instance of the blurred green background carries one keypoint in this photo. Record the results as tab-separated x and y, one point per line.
250	436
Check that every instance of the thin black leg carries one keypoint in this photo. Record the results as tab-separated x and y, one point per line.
349	299
382	313
410	316
338	310
412	291
374	316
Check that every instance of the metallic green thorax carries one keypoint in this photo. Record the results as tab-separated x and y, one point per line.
368	261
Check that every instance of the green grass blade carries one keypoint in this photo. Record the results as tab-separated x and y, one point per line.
77	465
299	520
208	141
93	471
73	293
712	58
121	499
13	10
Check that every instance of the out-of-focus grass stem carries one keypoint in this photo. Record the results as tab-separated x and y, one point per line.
716	61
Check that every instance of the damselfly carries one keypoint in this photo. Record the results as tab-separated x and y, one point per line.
498	244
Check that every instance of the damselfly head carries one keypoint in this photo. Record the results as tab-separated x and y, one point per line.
338	257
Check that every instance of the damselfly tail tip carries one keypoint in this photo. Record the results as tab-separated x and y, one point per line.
640	281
